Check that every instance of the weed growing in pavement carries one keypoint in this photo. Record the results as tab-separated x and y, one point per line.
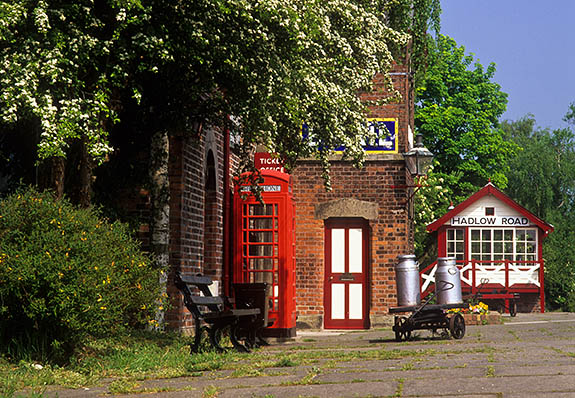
567	353
399	390
408	366
123	386
247	371
310	376
514	334
210	392
284	363
490	371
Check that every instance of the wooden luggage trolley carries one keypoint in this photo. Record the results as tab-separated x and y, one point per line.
428	316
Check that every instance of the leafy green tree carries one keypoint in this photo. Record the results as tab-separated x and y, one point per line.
60	64
542	178
457	110
272	64
542	174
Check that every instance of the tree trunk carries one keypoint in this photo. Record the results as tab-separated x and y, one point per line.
51	175
79	173
160	201
86	168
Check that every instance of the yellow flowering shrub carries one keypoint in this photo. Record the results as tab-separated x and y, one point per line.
65	273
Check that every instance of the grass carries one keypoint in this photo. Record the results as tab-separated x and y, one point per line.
127	359
123	363
514	334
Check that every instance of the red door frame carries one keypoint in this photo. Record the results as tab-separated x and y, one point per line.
346	323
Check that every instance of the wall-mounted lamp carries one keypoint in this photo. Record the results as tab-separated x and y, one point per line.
418	159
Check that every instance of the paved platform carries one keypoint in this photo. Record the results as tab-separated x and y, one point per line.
531	355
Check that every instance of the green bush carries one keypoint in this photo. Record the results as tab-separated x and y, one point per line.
65	274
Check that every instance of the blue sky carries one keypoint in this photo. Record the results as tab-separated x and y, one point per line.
531	42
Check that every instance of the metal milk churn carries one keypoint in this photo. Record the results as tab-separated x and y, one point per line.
407	281
447	281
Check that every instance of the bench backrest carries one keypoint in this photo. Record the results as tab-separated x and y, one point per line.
253	295
195	302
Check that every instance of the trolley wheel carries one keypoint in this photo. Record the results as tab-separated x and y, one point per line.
512	308
457	326
402	331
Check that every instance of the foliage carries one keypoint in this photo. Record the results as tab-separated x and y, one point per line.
59	64
418	17
65	274
542	175
559	255
431	202
542	179
457	111
271	64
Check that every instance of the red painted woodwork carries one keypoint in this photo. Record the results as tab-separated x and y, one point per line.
346	278
441	228
264	246
490	189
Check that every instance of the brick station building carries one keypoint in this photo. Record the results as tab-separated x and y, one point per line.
346	240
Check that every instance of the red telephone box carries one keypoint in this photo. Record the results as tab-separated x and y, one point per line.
264	243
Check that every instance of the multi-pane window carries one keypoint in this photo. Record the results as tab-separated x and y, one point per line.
456	243
503	244
261	247
525	245
481	244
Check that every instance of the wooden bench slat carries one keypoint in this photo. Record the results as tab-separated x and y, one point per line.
246	312
196	280
210	300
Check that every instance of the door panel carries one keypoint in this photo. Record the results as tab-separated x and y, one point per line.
338	301
355	301
355	250
345	295
338	250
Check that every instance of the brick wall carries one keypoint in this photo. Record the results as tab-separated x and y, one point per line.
196	217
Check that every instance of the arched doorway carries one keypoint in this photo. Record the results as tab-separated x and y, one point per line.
212	255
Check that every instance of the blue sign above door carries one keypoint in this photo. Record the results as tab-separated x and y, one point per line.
385	132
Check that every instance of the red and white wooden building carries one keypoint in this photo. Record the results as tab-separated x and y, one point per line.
497	245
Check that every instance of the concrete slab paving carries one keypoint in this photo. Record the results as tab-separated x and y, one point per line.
532	355
534	370
482	384
354	390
